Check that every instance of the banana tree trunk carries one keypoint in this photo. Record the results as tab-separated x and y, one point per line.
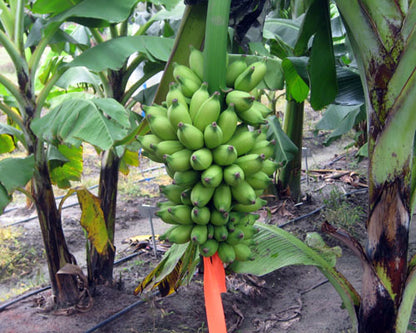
382	34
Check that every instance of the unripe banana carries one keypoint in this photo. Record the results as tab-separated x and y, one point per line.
226	252
209	248
196	62
242	100
186	73
201	215
262	133
211	230
169	171
250	163
181	214
233	175
236	217
149	142
179	161
264	147
259	180
190	136
165	204
218	218
252	117
178	113
188	86
222	198
161	127
201	159
166	216
201	195
213	135
175	92
250	208
187	178
264	110
234	70
244	193
168	147
242	252
243	140
208	112
224	155
269	167
220	233
172	192
227	121
153	156
199	234
198	98
249	231
235	236
155	110
212	177
186	197
251	77
180	234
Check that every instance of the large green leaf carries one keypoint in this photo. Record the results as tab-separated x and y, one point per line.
52	6
277	248
113	53
100	122
77	75
10	180
283	29
65	164
296	87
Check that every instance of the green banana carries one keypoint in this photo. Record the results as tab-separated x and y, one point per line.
180	234
222	198
166	216
186	197
250	163
242	100
199	234
201	215
269	167
172	192
218	218
250	208
188	86
169	170
233	175
262	133
185	73
187	178
252	117
243	140
251	77
208	112
165	204
190	136
201	195
236	217
168	147
155	110
226	252
264	147
161	127
209	248
178	113
264	110
212	177
181	214
234	70
179	161
198	98
196	62
220	233
249	231
175	92
153	156
224	155
149	141
242	252
235	236
227	121
259	180
201	159
244	193
213	135
211	230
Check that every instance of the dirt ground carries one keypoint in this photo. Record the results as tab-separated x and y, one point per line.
292	299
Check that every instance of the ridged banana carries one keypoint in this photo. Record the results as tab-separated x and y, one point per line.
161	127
201	159
250	163
218	218
244	193
208	112
199	234
220	233
249	231
172	192
242	100
168	147
227	121
234	70
166	216
180	234
242	252
236	217
224	155
235	236
211	230
179	161
198	98
190	136
233	175
243	140
201	195
250	208
187	178
188	86
264	147
149	142
155	110
226	252
264	110
212	177
269	167
209	248
213	135
259	180
186	197
185	73
178	113
196	61
181	214
175	92
222	198
251	77
252	117
201	215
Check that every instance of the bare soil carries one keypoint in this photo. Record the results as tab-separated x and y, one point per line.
292	299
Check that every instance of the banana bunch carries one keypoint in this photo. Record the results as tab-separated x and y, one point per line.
218	157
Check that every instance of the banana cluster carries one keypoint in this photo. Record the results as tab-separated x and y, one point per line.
219	158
